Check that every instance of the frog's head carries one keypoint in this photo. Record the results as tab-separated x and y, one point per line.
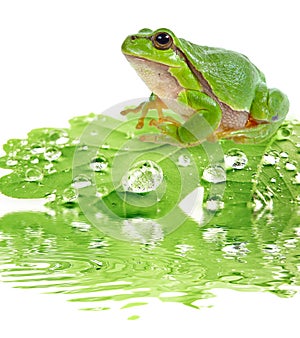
158	46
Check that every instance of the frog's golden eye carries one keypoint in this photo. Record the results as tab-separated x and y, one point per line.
162	40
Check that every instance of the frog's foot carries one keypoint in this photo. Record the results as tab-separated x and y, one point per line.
136	110
143	108
161	122
168	128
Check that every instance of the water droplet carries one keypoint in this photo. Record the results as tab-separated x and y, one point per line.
23	143
271	158
58	137
34	160
214	203
13	154
144	176
283	154
37	148
215	235
182	249
142	230
283	133
82	226
271	248
83	147
81	181
62	140
52	154
297	179
235	159
11	163
184	161
214	174
290	166
69	195
105	146
99	163
76	141
235	250
33	175
50	197
50	168
26	157
94	133
101	191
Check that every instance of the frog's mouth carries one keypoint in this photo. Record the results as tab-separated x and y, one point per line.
156	76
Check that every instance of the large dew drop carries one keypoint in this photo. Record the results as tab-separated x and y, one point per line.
144	176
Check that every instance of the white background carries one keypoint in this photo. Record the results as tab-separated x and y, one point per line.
62	58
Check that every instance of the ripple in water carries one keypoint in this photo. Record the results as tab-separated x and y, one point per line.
64	254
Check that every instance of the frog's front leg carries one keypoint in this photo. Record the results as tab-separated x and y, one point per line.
154	103
201	125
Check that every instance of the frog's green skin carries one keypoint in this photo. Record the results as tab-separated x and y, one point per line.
218	86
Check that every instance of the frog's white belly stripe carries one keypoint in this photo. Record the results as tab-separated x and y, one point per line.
157	77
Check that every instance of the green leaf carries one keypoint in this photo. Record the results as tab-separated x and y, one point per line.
269	175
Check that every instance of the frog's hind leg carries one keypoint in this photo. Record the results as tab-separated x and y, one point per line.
269	105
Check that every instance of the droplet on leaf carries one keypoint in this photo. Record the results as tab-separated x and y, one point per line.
101	191
214	174
271	158
290	166
184	161
69	195
37	148
214	203
33	175
11	163
81	181
235	159
144	176
99	163
283	133
52	154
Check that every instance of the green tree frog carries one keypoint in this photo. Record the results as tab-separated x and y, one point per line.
218	93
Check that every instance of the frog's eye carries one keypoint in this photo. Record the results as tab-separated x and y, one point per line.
162	40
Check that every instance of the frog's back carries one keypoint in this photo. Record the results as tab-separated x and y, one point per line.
231	76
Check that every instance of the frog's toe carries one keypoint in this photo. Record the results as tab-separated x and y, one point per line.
278	104
140	124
